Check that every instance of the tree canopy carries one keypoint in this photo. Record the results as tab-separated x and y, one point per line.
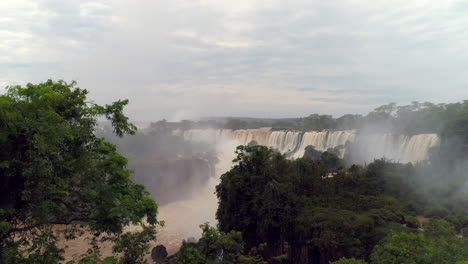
218	247
55	170
314	210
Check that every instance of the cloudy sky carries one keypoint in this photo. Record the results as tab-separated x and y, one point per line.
187	58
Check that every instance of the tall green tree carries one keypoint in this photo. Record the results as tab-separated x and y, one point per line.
437	243
55	170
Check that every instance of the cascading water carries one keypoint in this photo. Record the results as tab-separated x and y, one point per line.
398	148
361	147
284	142
324	140
418	147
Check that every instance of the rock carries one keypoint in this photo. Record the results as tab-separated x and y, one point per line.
159	253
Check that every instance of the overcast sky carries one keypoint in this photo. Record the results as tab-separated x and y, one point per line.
187	58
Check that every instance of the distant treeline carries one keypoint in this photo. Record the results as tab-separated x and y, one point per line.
415	118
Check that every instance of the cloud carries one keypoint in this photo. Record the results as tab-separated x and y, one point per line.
249	57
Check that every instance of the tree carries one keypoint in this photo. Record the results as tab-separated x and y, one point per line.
159	128
310	153
318	122
55	170
312	211
438	243
134	245
217	247
243	191
236	124
348	261
401	248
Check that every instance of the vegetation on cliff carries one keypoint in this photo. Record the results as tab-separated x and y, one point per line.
316	213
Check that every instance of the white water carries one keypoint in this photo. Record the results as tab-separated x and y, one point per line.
418	147
399	148
324	140
363	147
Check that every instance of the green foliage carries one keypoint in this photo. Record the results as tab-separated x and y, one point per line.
311	153
190	255
218	247
314	210
310	210
40	247
438	243
55	170
94	259
236	124
411	119
133	246
415	118
348	261
318	122
401	248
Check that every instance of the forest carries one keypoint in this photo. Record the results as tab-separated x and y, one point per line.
415	118
57	168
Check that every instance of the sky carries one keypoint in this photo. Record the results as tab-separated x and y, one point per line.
183	59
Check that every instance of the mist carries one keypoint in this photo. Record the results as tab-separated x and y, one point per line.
181	175
180	162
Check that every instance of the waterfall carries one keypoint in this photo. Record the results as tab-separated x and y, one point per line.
246	136
324	140
315	139
398	148
368	147
284	141
361	147
418	147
